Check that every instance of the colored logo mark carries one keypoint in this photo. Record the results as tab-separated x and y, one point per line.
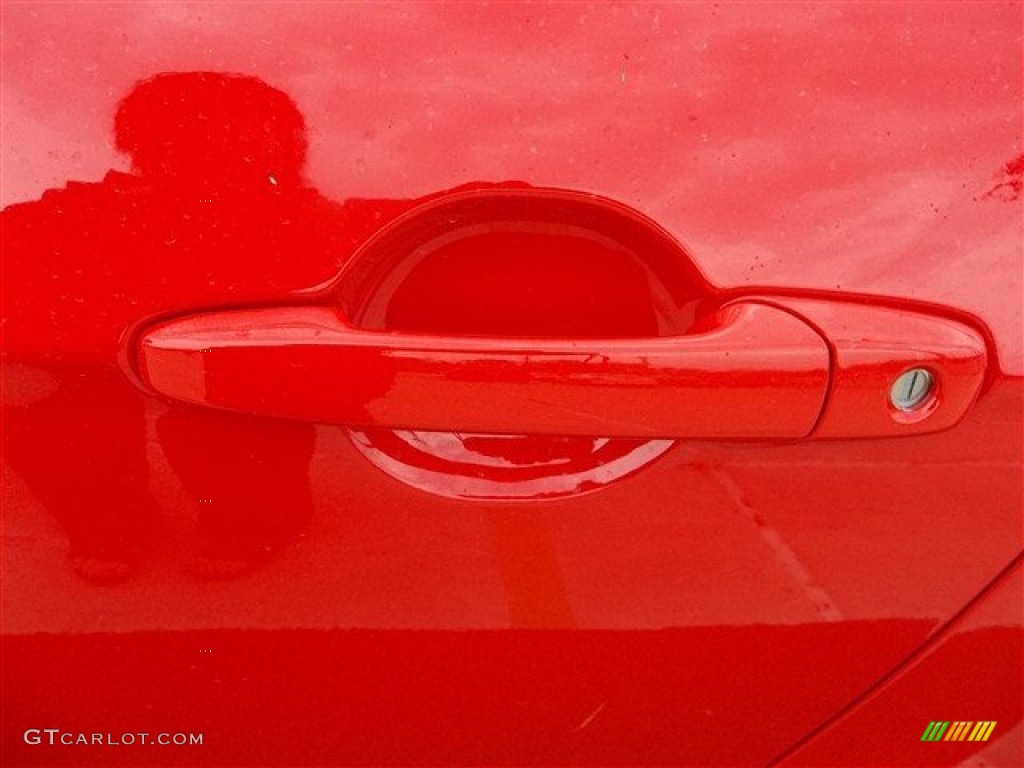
960	730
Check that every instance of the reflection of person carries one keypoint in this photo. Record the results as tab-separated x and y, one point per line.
213	214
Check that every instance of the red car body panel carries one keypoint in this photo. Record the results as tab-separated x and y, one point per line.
491	490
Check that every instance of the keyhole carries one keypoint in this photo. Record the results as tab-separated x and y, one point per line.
911	389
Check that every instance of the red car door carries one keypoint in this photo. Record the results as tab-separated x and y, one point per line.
470	383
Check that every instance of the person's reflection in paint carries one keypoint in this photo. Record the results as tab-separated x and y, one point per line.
214	213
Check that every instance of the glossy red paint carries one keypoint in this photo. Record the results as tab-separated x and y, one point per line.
972	663
716	602
720	369
755	372
871	346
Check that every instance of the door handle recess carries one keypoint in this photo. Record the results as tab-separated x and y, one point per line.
753	366
754	371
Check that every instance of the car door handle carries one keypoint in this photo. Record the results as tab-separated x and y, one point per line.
753	371
735	365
